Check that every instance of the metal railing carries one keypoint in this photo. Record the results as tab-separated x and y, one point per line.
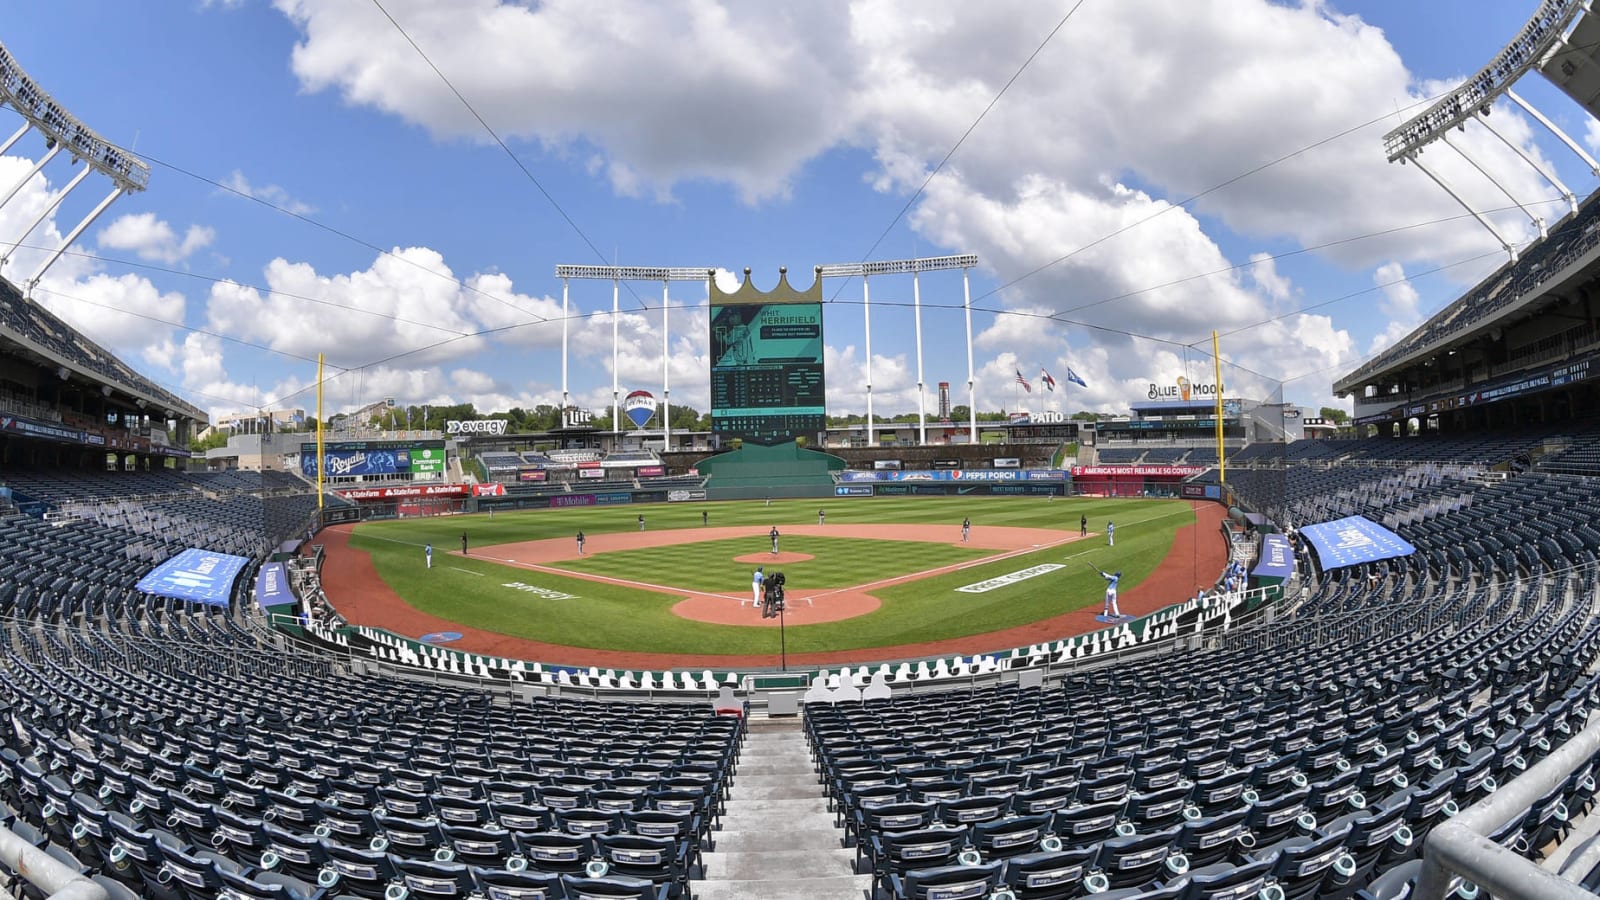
45	871
1459	848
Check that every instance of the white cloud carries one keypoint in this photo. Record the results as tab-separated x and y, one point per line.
269	193
1264	271
1399	303
153	239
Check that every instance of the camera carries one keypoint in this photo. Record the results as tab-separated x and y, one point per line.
772	601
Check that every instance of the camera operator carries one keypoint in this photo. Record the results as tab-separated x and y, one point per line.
773	601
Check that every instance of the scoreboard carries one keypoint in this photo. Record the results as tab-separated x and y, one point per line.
766	371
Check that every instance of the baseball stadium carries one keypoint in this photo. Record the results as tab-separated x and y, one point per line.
1201	640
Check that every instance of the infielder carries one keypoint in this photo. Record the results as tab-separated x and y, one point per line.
1111	592
1111	534
580	543
756	582
966	530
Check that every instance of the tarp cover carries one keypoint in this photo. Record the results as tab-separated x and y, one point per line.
1354	540
272	585
199	576
1277	558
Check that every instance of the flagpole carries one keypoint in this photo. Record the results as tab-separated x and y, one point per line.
1222	459
972	392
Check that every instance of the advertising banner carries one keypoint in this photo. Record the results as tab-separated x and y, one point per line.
1148	471
1046	475
686	494
1277	557
39	429
858	476
532	475
1007	462
399	493
491	489
199	576
852	490
427	460
591	473
1354	540
886	465
272	586
564	500
947	464
651	471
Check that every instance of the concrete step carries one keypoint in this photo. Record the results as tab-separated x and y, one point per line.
809	838
779	865
777	789
851	887
777	812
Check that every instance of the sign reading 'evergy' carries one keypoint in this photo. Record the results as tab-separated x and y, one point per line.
494	427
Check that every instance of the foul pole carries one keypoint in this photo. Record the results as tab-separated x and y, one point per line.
321	458
1222	459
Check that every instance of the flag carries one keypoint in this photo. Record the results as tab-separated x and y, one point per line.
1049	383
1073	377
1024	382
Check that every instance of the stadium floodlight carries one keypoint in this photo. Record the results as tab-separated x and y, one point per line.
914	268
61	128
616	275
1474	96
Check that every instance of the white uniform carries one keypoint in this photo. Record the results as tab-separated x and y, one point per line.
756	581
1111	594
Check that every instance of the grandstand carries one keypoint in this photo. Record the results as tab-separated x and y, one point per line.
1328	738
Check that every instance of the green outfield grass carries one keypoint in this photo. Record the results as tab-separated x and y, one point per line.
473	591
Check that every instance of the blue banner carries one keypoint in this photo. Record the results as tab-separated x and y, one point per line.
1354	540
272	585
356	462
852	490
199	576
1277	557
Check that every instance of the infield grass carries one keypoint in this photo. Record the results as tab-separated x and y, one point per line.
473	591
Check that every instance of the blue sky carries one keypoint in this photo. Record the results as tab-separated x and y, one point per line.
697	134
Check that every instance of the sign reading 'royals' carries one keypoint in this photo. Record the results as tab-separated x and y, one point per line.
639	407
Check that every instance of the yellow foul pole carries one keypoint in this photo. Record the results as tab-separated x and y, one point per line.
320	455
1222	458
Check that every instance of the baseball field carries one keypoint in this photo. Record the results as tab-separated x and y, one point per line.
879	576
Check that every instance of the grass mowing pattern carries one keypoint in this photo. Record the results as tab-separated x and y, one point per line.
709	566
471	591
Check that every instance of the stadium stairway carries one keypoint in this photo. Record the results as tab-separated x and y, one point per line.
778	840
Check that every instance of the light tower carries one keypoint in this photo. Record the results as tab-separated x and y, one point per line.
62	131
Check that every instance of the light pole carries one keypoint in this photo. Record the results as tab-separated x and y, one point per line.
783	640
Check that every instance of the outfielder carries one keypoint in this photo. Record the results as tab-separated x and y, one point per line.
1111	535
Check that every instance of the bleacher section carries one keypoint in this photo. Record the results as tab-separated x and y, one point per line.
25	321
1513	283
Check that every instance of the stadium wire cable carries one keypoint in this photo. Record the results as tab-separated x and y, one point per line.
216	279
1202	194
502	144
964	135
334	231
179	325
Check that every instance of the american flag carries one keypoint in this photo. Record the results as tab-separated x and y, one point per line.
1024	382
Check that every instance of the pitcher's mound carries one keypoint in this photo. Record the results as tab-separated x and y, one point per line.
762	559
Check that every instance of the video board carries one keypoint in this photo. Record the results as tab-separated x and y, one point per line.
767	383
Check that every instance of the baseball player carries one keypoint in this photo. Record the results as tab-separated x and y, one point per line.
1083	526
580	543
774	535
1111	592
822	516
427	553
756	582
966	530
641	521
1111	534
704	518
463	543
